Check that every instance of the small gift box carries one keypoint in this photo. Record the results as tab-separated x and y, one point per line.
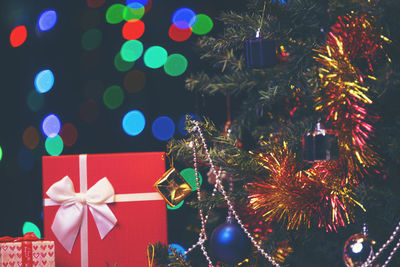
320	145
173	187
26	251
260	53
103	209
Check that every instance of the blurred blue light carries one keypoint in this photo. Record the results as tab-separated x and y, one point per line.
163	128
136	4
44	81
26	159
178	249
51	125
182	125
184	18
133	122
47	20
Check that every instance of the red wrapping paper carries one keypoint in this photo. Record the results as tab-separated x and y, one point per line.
139	222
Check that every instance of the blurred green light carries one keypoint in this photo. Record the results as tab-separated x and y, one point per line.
1	153
122	65
91	39
203	24
189	175
54	146
176	65
31	227
113	97
155	57
131	50
114	14
35	100
176	206
133	13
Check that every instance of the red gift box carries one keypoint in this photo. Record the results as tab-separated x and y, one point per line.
85	195
27	251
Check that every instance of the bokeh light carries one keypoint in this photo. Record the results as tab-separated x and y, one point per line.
51	125
54	146
176	206
113	97
189	175
91	39
182	121
31	227
35	101
155	57
30	137
25	159
133	29
114	13
203	25
89	111
179	35
44	81
176	65
136	11
178	248
134	81
184	18
148	6
163	128
95	3
90	19
18	36
69	134
47	20
122	65
131	50
138	4
133	3
133	122
1	153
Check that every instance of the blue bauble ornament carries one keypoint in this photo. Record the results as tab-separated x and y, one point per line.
229	243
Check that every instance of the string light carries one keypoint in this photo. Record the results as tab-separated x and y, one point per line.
379	252
218	187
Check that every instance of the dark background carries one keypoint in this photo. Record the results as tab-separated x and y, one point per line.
74	68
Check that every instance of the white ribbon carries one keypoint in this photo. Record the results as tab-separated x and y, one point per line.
70	215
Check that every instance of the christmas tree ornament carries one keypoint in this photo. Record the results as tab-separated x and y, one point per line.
259	52
358	249
229	243
173	187
319	145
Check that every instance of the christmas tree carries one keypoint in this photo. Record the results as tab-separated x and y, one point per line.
309	151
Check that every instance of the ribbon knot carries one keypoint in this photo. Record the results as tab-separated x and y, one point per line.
81	198
68	219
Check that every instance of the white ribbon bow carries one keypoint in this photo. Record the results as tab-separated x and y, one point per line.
68	219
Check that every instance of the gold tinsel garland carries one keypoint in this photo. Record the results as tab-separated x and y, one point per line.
323	195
